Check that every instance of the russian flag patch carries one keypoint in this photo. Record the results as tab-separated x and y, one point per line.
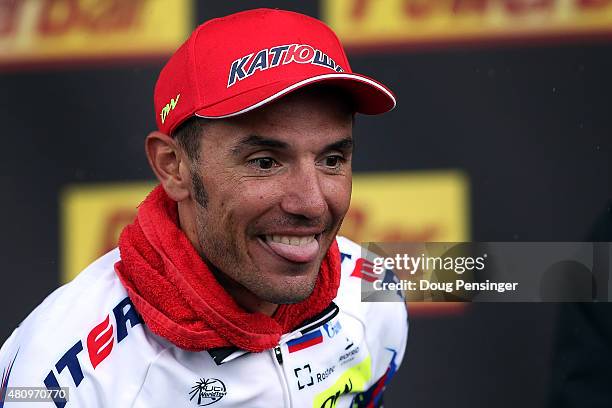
307	340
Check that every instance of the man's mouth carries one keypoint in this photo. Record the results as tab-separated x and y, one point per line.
294	248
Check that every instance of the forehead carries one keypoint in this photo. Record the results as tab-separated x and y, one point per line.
305	117
323	104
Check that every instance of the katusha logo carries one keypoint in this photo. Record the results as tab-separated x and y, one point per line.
266	59
207	391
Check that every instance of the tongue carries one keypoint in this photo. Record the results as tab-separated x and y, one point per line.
296	253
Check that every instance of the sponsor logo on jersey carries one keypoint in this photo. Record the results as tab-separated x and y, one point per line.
306	341
331	329
352	380
207	391
364	269
349	355
304	376
6	373
325	374
99	341
269	58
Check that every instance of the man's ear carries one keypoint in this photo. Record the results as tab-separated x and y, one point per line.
169	164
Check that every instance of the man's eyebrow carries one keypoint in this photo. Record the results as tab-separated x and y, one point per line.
258	141
345	144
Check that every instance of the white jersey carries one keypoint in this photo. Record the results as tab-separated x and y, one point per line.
88	337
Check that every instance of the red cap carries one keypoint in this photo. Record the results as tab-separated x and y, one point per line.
234	64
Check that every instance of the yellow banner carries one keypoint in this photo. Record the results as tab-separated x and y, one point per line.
92	216
370	22
64	30
427	206
422	206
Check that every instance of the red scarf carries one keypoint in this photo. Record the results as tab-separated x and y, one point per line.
179	298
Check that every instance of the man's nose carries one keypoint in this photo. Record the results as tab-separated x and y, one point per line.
304	193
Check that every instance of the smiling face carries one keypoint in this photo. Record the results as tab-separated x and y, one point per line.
278	184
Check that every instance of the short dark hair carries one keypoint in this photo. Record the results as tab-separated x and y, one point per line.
188	135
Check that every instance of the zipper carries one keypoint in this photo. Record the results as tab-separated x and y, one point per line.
278	364
278	355
278	359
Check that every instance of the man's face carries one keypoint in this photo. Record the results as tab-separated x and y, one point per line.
278	184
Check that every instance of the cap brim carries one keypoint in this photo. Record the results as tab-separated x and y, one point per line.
369	96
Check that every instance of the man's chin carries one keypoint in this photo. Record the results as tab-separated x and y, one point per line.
288	294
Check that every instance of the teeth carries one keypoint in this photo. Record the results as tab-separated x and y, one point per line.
290	240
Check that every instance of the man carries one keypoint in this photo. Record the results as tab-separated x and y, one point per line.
230	287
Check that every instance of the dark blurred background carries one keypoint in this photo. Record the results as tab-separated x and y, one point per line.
527	121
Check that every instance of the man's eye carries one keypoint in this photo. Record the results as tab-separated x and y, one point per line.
333	161
263	163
